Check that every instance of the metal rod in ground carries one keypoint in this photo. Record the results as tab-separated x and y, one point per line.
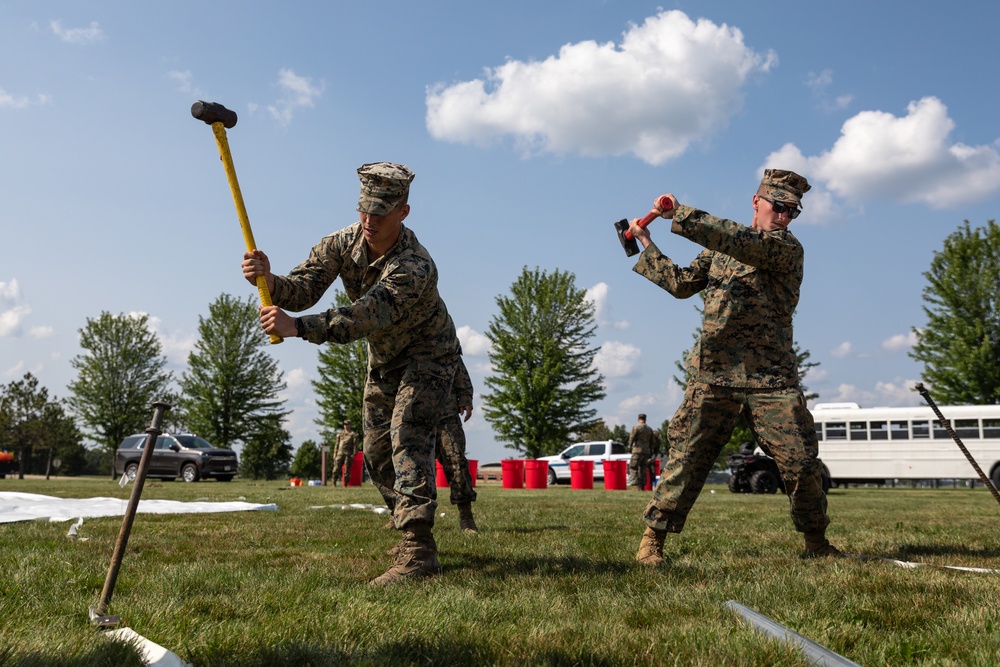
958	441
816	654
98	613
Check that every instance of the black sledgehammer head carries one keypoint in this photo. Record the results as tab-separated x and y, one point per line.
213	112
629	244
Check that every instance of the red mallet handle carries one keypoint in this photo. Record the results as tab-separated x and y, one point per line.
664	203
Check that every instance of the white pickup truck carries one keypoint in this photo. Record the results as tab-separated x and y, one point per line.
596	451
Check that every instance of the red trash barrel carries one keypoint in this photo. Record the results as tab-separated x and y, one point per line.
473	470
441	479
357	470
581	474
536	474
656	473
512	472
615	475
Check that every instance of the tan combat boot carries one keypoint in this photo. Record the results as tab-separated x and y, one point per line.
416	557
817	545
465	520
651	547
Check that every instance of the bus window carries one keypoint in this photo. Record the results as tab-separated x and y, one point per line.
859	430
880	430
836	431
899	430
940	431
920	429
991	428
967	428
819	431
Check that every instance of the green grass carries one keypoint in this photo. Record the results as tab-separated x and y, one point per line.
551	580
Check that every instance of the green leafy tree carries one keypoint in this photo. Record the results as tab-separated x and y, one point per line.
308	461
544	381
39	430
267	452
960	344
340	389
119	377
231	383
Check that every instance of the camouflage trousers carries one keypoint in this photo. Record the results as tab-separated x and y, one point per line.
402	410
703	424
451	454
639	468
343	462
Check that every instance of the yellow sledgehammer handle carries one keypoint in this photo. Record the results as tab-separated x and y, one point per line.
241	210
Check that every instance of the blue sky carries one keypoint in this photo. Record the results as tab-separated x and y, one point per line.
531	127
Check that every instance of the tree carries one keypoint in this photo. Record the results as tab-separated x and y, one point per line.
340	389
308	461
32	423
544	381
960	344
267	453
231	383
120	375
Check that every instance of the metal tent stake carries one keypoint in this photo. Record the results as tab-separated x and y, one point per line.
958	441
98	613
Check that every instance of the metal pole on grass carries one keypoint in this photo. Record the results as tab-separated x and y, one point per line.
816	654
958	441
98	613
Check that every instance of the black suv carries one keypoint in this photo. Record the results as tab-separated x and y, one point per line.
751	472
186	456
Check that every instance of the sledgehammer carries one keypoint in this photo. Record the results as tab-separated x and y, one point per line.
219	117
625	236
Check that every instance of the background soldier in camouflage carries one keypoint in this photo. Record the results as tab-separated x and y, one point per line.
743	360
413	350
654	454
640	441
347	447
451	449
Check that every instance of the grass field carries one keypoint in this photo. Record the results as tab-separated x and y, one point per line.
551	580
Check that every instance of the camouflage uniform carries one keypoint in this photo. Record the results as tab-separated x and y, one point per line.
640	441
413	349
451	440
347	447
743	361
654	454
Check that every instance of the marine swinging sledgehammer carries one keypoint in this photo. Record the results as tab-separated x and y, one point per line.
220	118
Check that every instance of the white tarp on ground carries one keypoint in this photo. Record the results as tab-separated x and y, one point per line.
28	506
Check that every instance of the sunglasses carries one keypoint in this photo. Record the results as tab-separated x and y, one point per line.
781	207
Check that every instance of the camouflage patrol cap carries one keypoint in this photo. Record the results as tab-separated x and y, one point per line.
383	186
783	185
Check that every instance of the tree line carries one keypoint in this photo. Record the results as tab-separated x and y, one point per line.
538	397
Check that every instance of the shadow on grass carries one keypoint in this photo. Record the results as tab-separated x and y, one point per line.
506	567
410	650
907	550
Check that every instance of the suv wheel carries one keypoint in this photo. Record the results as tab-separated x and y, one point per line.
190	472
553	480
763	481
131	470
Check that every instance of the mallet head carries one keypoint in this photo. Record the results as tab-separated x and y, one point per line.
213	112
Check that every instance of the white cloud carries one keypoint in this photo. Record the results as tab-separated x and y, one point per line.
843	350
900	342
89	35
616	360
474	344
908	159
11	319
8	101
670	82
41	332
15	370
820	85
599	296
184	81
894	393
10	291
176	346
295	378
300	92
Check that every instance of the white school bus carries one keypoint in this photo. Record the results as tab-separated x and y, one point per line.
862	445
